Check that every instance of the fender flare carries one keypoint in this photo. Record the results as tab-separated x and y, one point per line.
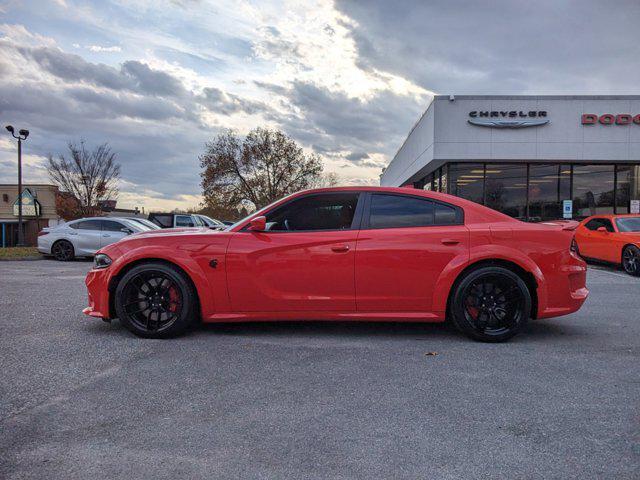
452	272
173	256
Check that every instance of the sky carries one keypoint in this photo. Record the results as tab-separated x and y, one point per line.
346	79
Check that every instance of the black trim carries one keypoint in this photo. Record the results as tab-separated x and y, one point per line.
366	222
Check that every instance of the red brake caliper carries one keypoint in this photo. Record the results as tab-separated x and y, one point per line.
173	299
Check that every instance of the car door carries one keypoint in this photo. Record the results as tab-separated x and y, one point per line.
112	231
304	261
591	242
604	243
88	238
404	244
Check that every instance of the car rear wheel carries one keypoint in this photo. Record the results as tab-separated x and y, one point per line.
631	260
63	251
155	300
491	304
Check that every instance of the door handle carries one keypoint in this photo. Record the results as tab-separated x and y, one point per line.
450	241
106	235
340	248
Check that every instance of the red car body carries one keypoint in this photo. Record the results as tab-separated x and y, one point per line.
403	274
600	237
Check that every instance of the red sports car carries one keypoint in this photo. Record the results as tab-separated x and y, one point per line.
345	254
611	238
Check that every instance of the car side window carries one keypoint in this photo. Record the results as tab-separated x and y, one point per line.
112	226
89	225
184	221
446	215
334	211
596	223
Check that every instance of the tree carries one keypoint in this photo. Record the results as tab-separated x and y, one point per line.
90	176
262	168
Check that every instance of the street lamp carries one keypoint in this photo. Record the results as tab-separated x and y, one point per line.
22	135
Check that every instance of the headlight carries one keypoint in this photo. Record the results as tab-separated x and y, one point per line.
101	261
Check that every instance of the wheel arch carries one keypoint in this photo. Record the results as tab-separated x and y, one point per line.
115	279
528	277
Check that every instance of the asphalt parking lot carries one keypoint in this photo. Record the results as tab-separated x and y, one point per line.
80	398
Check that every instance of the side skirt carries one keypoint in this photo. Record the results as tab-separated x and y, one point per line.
327	316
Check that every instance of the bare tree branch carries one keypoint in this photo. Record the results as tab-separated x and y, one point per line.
90	176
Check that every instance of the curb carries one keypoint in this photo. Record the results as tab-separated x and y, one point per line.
23	259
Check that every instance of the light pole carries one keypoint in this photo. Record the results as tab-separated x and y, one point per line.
22	135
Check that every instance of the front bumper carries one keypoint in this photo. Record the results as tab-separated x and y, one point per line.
97	283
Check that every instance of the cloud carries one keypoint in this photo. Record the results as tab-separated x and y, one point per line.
98	48
501	47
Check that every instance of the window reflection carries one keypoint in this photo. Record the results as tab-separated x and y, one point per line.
592	190
466	180
506	189
549	185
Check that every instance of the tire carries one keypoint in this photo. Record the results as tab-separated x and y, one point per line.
490	304
63	251
631	260
156	300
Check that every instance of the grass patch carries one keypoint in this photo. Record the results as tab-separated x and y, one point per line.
17	253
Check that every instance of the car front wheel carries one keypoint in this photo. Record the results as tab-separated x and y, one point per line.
155	300
631	260
490	304
63	251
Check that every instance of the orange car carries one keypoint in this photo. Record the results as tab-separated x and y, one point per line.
611	238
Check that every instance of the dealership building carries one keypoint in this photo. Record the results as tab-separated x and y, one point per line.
532	157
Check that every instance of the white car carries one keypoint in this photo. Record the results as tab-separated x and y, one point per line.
84	237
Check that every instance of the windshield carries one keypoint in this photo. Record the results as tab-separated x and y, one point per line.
258	213
631	224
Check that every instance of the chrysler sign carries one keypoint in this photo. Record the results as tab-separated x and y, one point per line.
508	118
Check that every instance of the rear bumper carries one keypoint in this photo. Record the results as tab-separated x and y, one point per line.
97	283
567	288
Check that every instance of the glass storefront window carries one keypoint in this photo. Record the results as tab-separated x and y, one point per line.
466	180
506	189
627	186
549	185
592	190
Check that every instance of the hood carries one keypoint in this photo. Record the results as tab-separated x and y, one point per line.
170	232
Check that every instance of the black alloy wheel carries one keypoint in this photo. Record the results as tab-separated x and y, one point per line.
491	304
155	300
631	260
63	251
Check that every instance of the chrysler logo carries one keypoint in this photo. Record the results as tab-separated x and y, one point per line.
508	119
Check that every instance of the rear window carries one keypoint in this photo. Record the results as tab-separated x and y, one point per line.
88	225
165	221
184	221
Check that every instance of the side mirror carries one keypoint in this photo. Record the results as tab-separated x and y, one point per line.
258	224
126	230
602	230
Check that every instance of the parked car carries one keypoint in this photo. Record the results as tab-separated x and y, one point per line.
211	222
346	254
175	220
611	238
145	222
83	237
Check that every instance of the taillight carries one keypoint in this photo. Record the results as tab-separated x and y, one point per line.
43	233
574	246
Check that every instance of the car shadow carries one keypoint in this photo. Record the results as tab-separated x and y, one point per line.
535	331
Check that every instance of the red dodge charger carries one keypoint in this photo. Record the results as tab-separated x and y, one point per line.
345	254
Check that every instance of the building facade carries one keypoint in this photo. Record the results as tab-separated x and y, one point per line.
532	157
38	211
